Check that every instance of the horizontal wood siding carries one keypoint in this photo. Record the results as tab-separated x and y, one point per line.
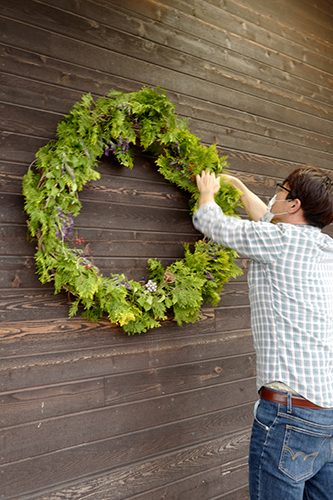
85	410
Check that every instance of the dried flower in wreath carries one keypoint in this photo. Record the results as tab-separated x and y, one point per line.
168	277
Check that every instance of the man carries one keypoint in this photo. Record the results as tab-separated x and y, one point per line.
291	297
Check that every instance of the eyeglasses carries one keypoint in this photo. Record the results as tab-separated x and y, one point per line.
279	187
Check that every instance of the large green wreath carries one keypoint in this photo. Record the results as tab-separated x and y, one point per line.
109	126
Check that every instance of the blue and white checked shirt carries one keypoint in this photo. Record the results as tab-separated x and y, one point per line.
291	296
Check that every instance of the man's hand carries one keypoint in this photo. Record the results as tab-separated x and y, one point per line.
208	185
207	182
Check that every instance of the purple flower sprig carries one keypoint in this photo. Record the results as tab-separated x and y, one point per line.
122	282
125	106
110	148
65	225
123	144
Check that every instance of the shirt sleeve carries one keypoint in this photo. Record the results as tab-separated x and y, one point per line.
261	241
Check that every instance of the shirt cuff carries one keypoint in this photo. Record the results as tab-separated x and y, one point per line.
206	207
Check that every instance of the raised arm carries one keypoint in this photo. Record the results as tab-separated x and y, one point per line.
254	206
208	185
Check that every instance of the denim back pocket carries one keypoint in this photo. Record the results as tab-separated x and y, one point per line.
300	449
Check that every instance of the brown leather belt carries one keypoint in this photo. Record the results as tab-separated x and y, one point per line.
282	398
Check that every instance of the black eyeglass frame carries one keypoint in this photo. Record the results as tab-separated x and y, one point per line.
282	187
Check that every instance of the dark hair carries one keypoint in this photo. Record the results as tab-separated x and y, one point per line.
314	190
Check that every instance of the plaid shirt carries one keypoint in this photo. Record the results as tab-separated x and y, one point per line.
291	296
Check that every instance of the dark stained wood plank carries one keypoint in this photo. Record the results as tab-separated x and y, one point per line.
262	168
232	138
203	486
235	473
21	148
235	99
135	191
107	215
32	304
259	173
19	272
145	384
324	5
271	135
274	47
236	120
309	20
14	241
48	435
235	293
104	243
31	337
59	73
57	367
159	34
305	16
206	485
230	318
257	170
267	49
20	90
11	175
127	480
261	16
163	13
209	134
116	252
144	169
64	22
20	119
27	121
42	403
34	404
44	68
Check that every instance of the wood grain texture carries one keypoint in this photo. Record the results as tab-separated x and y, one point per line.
50	368
128	480
86	411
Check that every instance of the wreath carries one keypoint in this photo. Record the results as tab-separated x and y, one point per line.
61	168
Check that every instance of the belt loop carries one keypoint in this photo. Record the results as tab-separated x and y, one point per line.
289	403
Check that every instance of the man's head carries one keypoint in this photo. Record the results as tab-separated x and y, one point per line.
314	190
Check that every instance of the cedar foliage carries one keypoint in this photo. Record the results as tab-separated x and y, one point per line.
111	125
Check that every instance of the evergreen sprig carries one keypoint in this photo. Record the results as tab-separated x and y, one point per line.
110	126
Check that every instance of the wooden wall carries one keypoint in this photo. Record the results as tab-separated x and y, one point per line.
87	412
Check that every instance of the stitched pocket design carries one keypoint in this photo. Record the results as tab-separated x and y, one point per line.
300	448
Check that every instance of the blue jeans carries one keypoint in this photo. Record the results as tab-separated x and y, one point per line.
291	453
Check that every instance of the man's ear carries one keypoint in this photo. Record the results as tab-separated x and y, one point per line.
295	206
